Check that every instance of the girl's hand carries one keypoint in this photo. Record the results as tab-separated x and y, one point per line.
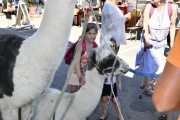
119	86
127	16
82	81
148	45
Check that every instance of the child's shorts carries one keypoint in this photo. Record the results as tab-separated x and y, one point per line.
107	90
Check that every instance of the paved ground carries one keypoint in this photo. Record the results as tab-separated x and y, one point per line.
132	107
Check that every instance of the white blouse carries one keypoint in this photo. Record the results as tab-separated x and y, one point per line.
113	23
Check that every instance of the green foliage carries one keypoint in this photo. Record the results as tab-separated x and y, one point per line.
40	7
30	3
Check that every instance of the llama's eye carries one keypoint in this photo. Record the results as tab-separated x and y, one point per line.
112	46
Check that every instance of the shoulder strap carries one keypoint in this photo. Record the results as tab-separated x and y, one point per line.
70	53
84	46
169	6
152	9
95	45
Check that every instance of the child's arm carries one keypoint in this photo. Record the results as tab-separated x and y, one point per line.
78	71
118	78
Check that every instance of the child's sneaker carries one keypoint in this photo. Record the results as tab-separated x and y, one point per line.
167	53
148	91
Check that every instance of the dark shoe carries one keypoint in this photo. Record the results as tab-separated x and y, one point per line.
163	117
8	27
148	91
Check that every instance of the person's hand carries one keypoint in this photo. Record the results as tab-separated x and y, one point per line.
127	16
119	86
148	45
82	81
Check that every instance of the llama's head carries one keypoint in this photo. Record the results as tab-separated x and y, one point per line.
105	61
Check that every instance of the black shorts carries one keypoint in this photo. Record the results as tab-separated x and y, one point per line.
0	4
168	40
106	91
8	15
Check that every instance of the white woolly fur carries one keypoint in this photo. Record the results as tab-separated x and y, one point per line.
79	105
104	51
39	57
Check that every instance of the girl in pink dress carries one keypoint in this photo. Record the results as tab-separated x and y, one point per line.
77	78
106	91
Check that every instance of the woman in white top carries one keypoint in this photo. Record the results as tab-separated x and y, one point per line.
113	21
156	28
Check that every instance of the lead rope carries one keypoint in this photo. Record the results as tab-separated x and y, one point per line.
117	58
19	114
71	68
106	112
112	92
112	75
74	60
115	97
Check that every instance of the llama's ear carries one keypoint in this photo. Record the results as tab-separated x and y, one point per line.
92	59
103	45
106	38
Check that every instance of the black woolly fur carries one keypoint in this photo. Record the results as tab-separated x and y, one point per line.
9	49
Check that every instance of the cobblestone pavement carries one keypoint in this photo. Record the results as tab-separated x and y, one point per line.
132	107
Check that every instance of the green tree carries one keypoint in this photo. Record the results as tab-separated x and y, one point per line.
29	3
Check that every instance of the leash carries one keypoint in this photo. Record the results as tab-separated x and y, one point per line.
19	114
115	96
144	74
71	68
74	60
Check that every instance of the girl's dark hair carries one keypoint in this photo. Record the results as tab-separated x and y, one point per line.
116	47
103	1
91	26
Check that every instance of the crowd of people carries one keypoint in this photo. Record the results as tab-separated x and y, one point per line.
159	19
13	4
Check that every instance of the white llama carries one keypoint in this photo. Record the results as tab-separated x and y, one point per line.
28	66
79	105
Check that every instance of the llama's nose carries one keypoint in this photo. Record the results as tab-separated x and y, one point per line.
125	69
